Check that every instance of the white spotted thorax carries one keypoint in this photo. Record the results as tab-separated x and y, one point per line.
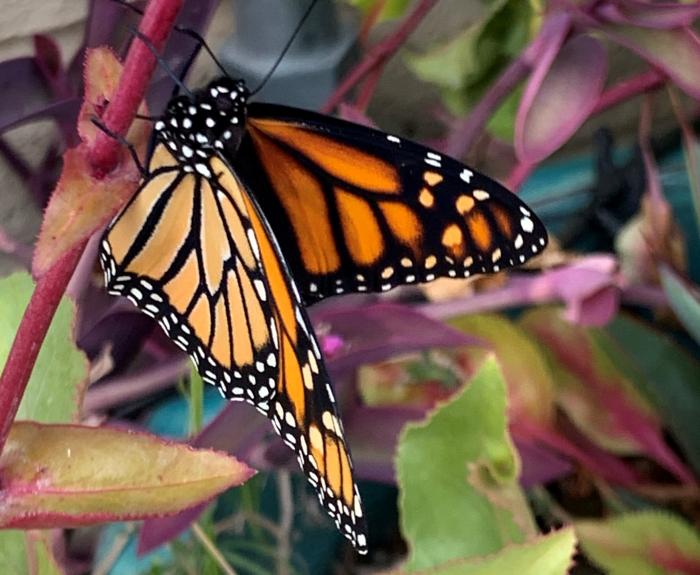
211	118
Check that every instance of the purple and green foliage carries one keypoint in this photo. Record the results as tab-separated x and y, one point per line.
532	422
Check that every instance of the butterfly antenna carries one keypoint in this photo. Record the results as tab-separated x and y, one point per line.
162	63
182	30
286	48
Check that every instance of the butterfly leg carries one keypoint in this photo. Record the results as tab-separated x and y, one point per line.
124	142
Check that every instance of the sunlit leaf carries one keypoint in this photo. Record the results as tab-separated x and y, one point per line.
389	9
57	383
648	543
458	477
550	554
65	475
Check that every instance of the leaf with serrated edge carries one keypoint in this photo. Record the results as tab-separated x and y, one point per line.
67	475
550	554
444	515
644	543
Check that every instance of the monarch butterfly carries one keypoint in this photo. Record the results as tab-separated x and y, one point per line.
248	212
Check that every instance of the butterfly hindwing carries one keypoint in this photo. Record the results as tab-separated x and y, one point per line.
359	210
192	250
304	411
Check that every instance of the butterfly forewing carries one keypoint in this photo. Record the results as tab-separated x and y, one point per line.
365	211
205	265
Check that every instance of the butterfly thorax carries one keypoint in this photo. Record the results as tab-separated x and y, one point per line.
212	118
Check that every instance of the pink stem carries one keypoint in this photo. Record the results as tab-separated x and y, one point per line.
380	53
367	89
623	91
104	156
519	174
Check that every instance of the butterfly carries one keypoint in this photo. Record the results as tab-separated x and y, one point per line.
250	212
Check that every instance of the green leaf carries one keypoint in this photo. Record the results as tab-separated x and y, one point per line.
598	397
391	9
16	547
466	65
667	375
63	475
530	384
54	392
457	472
13	553
683	301
645	543
196	401
546	555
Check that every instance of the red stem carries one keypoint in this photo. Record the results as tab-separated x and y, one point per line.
156	24
104	156
380	53
32	329
367	89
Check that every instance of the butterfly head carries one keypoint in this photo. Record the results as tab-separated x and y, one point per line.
211	119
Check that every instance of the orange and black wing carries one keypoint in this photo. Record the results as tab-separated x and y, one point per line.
192	250
355	209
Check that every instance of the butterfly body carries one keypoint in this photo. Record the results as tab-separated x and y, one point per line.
249	212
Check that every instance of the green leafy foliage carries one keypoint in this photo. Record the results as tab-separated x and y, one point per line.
587	377
464	66
458	474
57	383
647	543
20	549
666	374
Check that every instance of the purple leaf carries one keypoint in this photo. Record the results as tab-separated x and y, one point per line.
375	332
540	464
372	434
649	15
561	93
23	90
62	111
675	52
